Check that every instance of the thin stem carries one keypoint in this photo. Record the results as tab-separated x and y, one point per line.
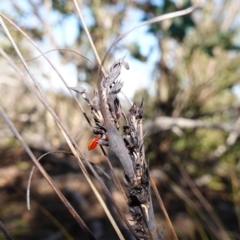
89	38
32	171
5	231
163	208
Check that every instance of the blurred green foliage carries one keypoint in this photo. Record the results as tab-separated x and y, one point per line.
194	78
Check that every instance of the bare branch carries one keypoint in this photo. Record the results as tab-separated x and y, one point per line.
167	123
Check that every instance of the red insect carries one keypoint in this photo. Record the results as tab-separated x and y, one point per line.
94	142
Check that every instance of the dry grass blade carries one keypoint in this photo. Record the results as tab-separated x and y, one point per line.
46	176
31	174
33	168
163	208
5	231
90	38
65	50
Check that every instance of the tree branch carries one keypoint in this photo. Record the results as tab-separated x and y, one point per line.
167	123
